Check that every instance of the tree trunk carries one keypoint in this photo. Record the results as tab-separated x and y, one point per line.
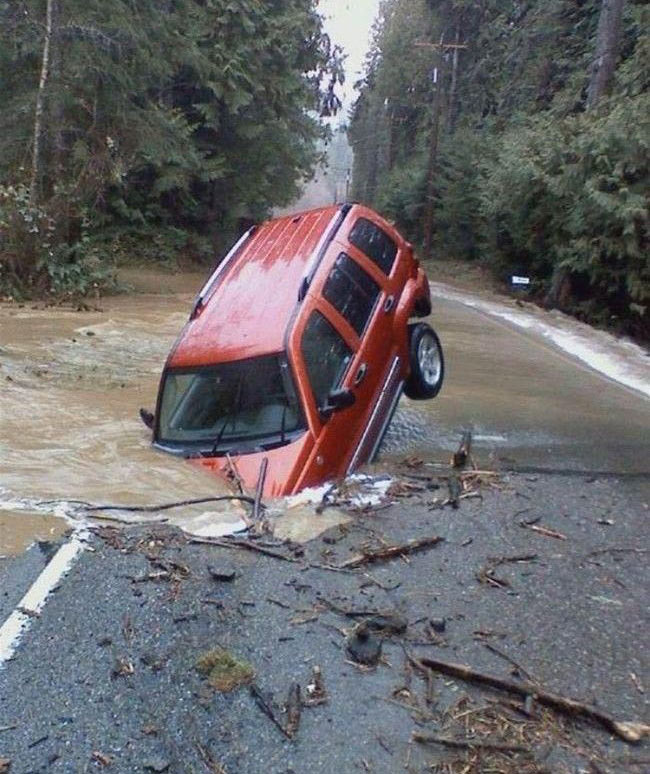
602	73
55	100
40	101
609	35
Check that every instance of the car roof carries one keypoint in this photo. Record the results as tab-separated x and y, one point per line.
256	292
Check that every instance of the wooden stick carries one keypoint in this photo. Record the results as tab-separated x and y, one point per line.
166	506
266	708
294	707
247	545
510	660
629	731
467	743
391	552
233	474
260	488
541	530
459	460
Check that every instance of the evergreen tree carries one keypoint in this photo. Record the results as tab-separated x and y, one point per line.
530	150
150	126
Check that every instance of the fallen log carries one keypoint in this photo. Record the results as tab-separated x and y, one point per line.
390	552
629	731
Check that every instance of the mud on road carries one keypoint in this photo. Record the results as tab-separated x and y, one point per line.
541	577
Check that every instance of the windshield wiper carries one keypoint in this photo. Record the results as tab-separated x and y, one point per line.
232	420
217	440
282	421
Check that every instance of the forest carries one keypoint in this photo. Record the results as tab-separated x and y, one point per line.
516	133
150	129
510	132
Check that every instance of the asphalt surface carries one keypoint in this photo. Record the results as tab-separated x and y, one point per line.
106	678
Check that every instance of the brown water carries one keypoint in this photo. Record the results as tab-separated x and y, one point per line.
72	384
526	401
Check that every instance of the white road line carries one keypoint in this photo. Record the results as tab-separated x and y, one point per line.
34	600
617	359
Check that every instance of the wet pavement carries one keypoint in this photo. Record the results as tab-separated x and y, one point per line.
527	402
119	690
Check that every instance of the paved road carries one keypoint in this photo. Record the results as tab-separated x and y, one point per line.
575	619
108	671
527	401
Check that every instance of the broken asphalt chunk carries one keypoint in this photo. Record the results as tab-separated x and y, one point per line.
363	646
157	763
222	574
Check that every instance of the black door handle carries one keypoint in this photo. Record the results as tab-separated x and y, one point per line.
361	374
389	303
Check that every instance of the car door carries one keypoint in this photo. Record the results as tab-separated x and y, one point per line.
378	254
348	343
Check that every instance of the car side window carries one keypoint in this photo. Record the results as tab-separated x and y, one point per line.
352	292
375	243
326	355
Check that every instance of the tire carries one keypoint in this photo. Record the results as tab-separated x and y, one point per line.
427	363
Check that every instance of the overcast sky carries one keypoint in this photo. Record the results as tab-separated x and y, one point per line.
348	23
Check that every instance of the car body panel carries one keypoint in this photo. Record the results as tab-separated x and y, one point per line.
261	302
259	286
282	469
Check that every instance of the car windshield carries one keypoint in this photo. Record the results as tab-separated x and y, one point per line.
230	406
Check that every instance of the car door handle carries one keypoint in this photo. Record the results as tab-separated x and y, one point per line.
389	303
361	374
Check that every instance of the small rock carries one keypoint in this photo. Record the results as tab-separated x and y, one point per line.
363	646
152	660
223	574
438	624
157	763
387	623
90	333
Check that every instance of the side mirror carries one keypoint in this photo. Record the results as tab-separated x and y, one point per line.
336	401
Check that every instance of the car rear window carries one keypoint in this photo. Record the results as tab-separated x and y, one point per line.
326	355
375	243
352	292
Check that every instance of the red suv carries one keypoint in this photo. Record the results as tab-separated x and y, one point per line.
297	350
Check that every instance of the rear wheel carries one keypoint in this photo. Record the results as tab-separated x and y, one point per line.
427	363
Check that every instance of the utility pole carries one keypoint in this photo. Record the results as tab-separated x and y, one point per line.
438	81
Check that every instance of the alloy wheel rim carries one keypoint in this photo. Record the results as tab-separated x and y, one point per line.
429	359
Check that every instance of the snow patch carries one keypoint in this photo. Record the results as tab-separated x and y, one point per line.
618	359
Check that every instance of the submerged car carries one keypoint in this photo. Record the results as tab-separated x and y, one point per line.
297	350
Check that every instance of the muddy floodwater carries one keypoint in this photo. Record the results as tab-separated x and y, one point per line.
72	384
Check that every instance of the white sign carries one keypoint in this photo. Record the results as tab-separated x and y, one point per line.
520	280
